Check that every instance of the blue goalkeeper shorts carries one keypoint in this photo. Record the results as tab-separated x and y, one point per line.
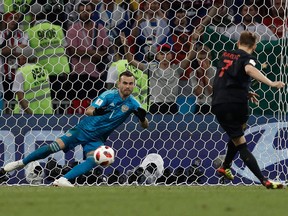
75	137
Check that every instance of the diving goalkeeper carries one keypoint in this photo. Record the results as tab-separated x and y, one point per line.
105	114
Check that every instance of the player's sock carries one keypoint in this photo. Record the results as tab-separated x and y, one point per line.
82	168
42	152
250	161
231	152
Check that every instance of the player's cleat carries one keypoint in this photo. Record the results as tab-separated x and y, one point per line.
273	185
13	165
62	182
227	173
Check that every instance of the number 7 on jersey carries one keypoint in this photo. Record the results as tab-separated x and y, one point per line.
228	63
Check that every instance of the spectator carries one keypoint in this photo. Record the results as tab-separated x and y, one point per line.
86	78
223	19
276	18
133	5
140	91
151	29
49	43
14	39
32	88
164	77
202	80
181	37
164	74
113	17
7	6
248	12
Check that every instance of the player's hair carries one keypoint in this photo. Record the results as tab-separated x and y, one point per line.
126	73
248	39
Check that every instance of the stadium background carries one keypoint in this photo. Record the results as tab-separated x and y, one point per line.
183	139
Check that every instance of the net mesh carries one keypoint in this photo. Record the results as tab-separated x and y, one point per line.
76	52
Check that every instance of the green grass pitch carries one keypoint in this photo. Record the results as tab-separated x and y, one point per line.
143	201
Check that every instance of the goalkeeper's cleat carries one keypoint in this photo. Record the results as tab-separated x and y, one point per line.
227	173
272	184
13	166
62	182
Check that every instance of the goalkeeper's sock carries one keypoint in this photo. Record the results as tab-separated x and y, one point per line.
81	169
250	161
231	152
42	152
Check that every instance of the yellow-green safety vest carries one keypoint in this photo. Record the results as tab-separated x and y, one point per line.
36	89
47	40
19	6
140	91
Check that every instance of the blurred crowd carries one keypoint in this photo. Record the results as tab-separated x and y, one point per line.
58	55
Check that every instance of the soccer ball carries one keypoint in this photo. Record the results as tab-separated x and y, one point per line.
104	155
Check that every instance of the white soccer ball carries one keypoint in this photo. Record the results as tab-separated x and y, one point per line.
104	155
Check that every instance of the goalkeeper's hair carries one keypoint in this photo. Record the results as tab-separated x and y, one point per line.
126	73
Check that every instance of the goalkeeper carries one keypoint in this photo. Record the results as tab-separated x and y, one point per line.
105	114
230	103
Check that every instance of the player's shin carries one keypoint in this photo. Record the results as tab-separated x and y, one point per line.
82	168
231	152
250	161
42	152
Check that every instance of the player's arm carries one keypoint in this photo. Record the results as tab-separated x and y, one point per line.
18	89
24	104
129	56
199	31
256	74
95	111
191	54
98	107
141	114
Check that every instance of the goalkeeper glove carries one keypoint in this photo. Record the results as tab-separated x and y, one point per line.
100	111
140	113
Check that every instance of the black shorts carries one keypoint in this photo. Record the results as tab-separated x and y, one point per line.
232	118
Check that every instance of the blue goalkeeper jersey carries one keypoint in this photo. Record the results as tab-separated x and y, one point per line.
100	127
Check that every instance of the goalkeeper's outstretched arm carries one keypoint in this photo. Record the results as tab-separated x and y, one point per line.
141	114
92	111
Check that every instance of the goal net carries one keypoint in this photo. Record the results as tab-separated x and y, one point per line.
76	46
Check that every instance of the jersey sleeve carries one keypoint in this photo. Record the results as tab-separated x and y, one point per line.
250	61
102	100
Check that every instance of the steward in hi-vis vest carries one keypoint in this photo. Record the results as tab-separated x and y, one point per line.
32	89
140	91
48	42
